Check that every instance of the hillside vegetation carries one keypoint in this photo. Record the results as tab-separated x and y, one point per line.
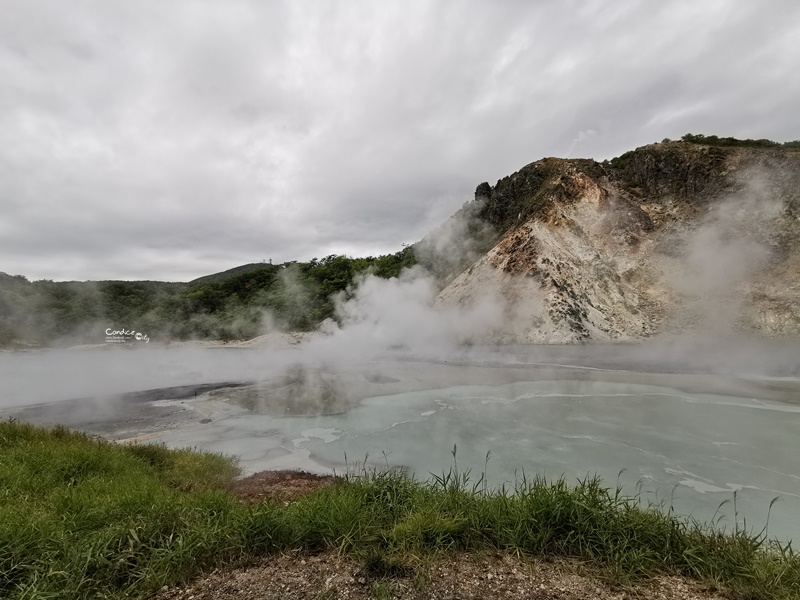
713	140
237	304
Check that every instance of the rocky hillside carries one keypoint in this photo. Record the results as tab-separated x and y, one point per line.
669	237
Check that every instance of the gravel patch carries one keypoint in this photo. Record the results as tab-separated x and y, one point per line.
330	576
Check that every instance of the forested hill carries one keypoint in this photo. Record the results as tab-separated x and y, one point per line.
236	304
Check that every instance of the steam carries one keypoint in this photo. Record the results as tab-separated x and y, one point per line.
402	314
579	140
715	263
457	243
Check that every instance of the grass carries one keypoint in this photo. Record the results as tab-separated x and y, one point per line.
83	518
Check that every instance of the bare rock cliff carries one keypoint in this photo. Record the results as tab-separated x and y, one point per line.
667	238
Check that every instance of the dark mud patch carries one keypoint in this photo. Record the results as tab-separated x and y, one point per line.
278	486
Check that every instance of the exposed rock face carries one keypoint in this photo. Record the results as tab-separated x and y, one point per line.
668	237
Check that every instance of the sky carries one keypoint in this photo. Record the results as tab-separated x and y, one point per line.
169	140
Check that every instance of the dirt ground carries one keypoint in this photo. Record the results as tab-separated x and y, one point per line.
454	577
329	576
278	486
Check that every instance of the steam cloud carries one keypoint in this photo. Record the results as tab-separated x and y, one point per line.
401	314
717	261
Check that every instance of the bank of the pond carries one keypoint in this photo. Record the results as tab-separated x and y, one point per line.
83	518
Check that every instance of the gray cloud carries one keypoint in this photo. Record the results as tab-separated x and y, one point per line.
169	140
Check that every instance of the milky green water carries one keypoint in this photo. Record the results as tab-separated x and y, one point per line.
689	451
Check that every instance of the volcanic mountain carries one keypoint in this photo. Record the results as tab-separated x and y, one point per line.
669	237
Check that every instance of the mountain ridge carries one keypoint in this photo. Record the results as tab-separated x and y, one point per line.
589	251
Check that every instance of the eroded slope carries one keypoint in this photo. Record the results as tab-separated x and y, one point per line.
669	237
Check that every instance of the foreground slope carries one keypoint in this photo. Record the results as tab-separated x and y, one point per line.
668	237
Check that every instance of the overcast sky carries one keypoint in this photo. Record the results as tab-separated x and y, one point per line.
168	140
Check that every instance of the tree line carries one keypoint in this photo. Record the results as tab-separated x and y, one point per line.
293	296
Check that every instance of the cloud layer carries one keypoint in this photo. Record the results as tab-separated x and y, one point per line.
152	140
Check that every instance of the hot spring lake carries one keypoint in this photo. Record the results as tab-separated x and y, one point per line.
673	425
